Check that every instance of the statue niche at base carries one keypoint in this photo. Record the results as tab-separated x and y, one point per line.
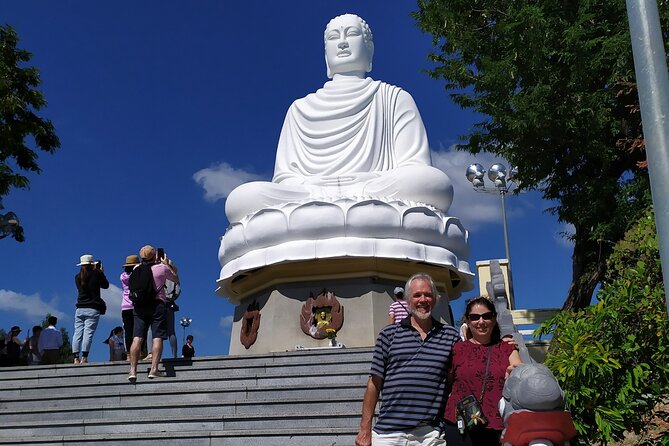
321	313
352	179
355	138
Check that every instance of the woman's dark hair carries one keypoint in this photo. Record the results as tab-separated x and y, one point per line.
481	301
84	272
128	269
496	335
111	333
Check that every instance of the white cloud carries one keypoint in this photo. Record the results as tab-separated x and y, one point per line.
562	236
226	321
113	296
219	180
31	306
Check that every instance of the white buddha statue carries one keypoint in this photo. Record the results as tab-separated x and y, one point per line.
352	180
355	138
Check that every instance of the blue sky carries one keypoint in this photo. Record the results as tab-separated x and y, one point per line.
163	107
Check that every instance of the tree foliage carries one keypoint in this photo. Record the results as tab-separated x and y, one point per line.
612	359
22	131
554	85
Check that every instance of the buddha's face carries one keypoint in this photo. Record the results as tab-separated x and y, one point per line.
346	50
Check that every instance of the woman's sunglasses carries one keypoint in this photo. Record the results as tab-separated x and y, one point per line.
486	316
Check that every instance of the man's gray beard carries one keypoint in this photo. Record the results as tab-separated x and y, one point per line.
421	316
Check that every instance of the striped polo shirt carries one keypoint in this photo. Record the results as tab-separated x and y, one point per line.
414	375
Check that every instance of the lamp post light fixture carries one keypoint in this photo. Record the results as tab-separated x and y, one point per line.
9	225
185	322
503	182
9	222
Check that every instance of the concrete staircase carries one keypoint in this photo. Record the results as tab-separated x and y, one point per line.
294	398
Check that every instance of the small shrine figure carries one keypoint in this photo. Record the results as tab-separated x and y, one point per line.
322	317
320	313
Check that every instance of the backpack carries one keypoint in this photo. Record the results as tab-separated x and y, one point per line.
142	288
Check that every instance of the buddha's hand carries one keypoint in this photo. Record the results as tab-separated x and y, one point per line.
340	180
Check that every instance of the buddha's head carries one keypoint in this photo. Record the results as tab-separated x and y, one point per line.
349	45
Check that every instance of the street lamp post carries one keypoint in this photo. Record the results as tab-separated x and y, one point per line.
9	225
503	182
650	65
185	322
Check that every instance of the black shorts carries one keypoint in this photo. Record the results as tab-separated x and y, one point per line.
470	438
152	316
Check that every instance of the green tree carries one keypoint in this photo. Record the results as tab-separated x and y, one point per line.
612	358
22	131
553	83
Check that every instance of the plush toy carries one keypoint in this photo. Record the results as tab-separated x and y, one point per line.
532	406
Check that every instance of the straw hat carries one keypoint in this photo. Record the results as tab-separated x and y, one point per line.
147	252
86	259
131	261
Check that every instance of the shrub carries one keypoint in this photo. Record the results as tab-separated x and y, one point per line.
612	358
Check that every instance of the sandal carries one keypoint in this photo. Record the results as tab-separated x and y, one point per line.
157	374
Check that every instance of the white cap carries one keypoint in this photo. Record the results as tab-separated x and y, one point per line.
399	290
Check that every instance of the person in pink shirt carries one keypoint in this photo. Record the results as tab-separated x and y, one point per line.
153	315
398	309
126	304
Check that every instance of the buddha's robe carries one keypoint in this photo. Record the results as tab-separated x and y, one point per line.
354	138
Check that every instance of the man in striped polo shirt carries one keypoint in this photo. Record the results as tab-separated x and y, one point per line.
410	364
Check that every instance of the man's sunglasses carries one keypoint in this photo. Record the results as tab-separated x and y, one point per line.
486	316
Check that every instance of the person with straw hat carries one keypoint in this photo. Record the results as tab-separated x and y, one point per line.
90	306
126	304
152	315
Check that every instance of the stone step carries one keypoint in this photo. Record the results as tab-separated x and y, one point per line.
286	398
31	376
316	358
178	409
149	396
119	384
312	436
120	375
324	419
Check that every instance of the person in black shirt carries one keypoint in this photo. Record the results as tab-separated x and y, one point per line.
188	351
90	306
14	345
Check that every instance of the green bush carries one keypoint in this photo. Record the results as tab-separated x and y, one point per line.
612	358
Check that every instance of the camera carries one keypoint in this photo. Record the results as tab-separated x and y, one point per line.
160	254
98	264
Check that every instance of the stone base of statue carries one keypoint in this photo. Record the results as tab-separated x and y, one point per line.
364	302
275	260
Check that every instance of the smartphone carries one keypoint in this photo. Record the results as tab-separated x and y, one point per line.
161	253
